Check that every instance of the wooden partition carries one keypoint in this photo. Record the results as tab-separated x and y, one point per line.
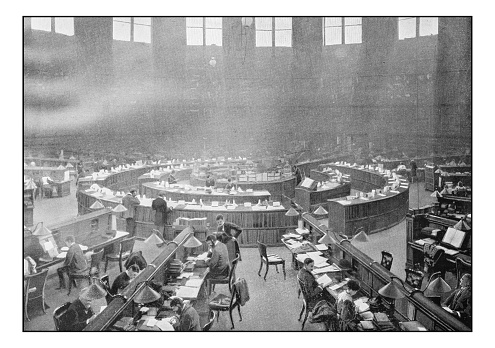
373	276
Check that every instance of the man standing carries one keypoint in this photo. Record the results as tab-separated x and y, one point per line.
159	205
124	278
218	261
74	261
228	227
188	316
130	201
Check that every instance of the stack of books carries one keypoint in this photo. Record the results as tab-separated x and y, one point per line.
383	322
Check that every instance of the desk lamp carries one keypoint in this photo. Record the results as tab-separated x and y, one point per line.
154	238
93	292
392	291
146	295
117	210
40	230
96	205
359	237
320	211
437	286
462	225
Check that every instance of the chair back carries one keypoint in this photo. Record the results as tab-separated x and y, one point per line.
232	269
262	250
96	259
462	267
105	283
126	246
36	282
387	259
434	258
58	313
414	278
209	324
303	289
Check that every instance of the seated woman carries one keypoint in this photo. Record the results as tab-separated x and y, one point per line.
346	310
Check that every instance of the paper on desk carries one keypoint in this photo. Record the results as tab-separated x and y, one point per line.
62	255
295	245
321	247
164	325
338	286
329	268
302	257
313	253
187	292
202	256
151	322
194	282
361	306
184	275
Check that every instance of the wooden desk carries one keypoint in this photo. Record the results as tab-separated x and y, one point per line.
62	187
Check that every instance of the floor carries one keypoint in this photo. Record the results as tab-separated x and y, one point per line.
273	301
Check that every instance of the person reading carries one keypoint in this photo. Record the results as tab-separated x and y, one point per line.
74	261
218	258
188	317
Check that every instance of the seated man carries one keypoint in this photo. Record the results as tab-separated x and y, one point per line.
401	168
314	292
188	317
218	261
124	278
210	181
171	178
459	301
229	185
460	190
74	261
79	314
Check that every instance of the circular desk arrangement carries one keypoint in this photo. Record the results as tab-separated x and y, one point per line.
373	211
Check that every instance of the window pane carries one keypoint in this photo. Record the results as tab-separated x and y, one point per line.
214	37
194	22
142	20
263	38
41	23
352	20
142	33
213	22
122	19
353	34
428	26
333	21
333	36
407	27
64	25
283	38
283	23
263	23
194	36
121	31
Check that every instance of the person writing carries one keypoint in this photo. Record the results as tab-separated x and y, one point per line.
188	319
229	185
459	302
130	202
307	280
171	178
124	278
74	261
79	313
218	258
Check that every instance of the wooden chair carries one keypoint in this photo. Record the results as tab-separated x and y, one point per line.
58	314
92	271
209	324
434	259
35	289
306	307
126	247
105	284
271	259
228	280
414	278
387	259
223	303
461	267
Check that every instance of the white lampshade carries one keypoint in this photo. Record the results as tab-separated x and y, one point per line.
327	239
119	209
320	211
192	242
292	212
154	239
96	205
41	230
361	237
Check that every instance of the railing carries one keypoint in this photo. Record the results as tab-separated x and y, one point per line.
121	302
414	306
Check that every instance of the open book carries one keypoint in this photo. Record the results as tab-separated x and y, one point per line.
324	281
454	237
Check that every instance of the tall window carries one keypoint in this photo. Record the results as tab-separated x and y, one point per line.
204	31
60	25
417	26
136	29
273	31
338	30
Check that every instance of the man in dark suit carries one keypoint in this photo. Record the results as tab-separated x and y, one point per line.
218	261
79	313
188	316
159	205
171	178
74	261
229	228
314	292
124	278
210	182
460	300
130	201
